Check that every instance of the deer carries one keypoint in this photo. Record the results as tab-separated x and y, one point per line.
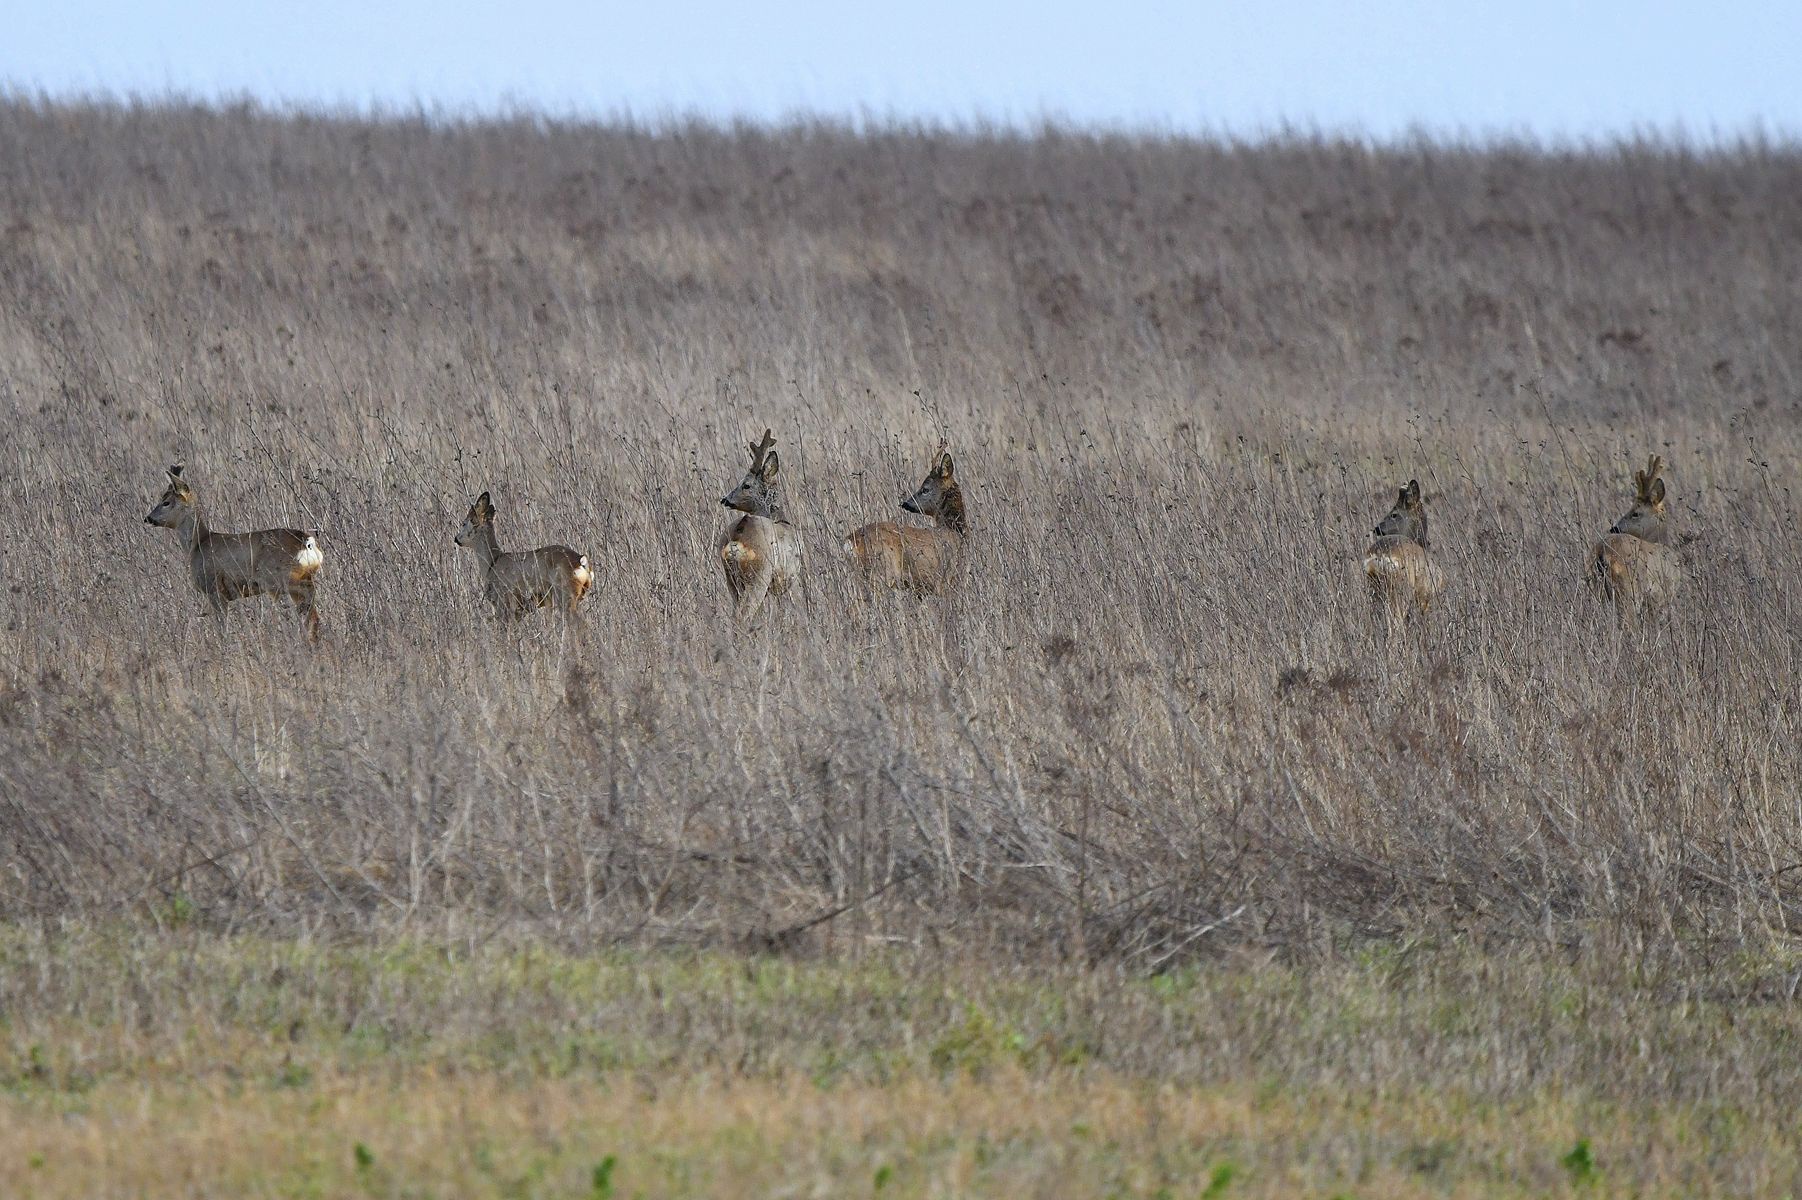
230	566
1401	575
526	580
760	551
1634	564
910	557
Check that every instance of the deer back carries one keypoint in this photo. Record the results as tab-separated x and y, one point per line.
535	578
262	562
754	546
1401	574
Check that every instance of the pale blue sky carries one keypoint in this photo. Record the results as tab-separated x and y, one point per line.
1553	68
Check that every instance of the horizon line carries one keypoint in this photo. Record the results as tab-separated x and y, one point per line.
1757	134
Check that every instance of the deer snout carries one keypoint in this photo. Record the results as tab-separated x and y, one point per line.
908	505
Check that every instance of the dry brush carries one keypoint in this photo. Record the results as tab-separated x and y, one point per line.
1180	379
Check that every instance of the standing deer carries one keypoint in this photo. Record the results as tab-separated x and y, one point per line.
230	566
908	556
1634	565
1397	567
521	582
760	551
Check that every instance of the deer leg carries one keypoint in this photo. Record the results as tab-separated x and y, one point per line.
751	598
302	597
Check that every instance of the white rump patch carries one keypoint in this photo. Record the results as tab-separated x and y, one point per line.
583	575
310	555
1383	566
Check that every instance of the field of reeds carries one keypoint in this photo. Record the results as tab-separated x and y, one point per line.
1154	734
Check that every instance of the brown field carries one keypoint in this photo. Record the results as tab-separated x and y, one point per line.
1155	735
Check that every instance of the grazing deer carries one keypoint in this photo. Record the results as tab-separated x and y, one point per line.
519	583
1634	565
760	551
907	556
1397	567
230	566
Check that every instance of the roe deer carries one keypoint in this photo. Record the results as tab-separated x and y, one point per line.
518	583
230	566
1397	567
908	556
1634	565
760	551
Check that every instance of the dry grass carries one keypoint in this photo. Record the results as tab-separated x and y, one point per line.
1181	379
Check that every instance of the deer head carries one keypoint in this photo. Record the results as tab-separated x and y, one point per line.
1646	519
1408	518
756	493
176	504
479	517
938	495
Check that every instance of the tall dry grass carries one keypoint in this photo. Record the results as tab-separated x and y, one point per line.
1181	380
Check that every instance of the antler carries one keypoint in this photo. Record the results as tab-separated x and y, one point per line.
1642	480
760	449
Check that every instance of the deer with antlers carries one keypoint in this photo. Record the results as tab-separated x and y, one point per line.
928	559
760	551
1634	564
231	566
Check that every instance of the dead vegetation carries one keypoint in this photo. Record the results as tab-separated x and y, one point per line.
1156	718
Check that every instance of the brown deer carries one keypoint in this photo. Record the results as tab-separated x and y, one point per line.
524	581
908	556
231	566
761	551
1634	565
1401	575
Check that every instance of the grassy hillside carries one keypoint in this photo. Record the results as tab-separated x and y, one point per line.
1155	730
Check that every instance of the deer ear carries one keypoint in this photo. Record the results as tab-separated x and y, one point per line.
1655	493
175	471
945	465
1412	491
771	465
484	503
